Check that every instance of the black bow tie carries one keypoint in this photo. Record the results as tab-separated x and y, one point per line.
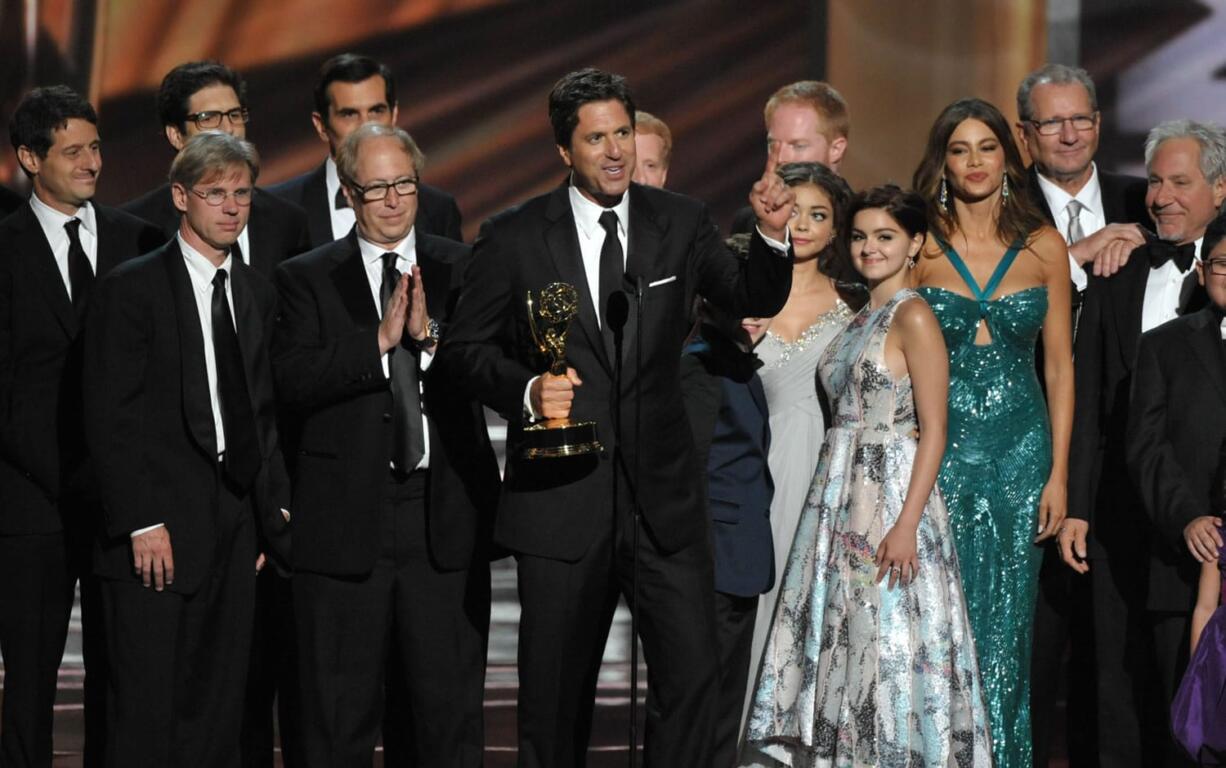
1160	252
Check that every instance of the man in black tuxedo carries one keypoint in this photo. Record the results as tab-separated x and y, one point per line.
54	248
1099	214
181	420
1138	621
352	90
726	406
9	201
600	233
208	96
806	122
394	479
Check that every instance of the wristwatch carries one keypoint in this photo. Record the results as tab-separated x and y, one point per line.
433	332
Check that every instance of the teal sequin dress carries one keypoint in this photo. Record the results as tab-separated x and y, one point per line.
997	460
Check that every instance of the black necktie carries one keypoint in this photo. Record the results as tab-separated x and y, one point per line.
1160	252
408	436
612	270
341	201
80	273
242	459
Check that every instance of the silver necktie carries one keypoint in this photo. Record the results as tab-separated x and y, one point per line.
1074	208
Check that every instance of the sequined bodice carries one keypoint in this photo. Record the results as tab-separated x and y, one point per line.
863	392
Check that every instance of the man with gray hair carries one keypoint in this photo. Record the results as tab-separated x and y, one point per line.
179	415
394	478
1140	594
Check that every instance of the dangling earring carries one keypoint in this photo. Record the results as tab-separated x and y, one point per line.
1004	190
944	198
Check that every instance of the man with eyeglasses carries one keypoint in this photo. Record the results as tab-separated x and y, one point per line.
180	417
395	480
208	96
1140	597
54	248
1098	214
352	90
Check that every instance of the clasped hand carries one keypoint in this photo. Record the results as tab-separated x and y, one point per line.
405	312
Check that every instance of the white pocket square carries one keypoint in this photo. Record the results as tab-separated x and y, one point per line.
663	281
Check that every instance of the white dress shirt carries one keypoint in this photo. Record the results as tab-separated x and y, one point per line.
406	257
1092	217
200	271
1162	290
52	222
343	219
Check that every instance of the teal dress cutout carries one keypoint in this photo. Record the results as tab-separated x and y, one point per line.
997	460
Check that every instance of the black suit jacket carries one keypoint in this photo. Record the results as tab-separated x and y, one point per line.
42	443
276	230
1176	422
554	507
9	201
437	212
149	421
330	377
1105	350
1123	198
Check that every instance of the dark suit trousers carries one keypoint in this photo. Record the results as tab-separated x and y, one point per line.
179	662
435	622
1123	660
38	576
272	677
1063	654
566	612
734	620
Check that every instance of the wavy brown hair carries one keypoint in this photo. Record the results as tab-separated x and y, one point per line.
1018	218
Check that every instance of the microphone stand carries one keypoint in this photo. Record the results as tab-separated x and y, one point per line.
637	280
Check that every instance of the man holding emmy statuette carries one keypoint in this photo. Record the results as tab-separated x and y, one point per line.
627	252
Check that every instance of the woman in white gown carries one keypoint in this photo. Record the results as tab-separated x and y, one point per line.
825	293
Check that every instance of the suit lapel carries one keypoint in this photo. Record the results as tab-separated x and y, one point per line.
646	236
1037	196
260	240
33	248
351	282
318	206
110	249
249	327
436	275
1206	342
1112	198
197	405
1128	288
562	241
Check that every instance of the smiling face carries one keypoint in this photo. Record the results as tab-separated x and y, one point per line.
601	154
351	105
1065	156
385	222
67	177
1180	199
213	227
974	161
1207	271
812	222
650	167
880	248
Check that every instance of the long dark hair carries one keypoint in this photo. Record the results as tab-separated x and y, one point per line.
834	261
1017	218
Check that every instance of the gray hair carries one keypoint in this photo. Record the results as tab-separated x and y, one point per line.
1210	136
347	154
209	153
1053	74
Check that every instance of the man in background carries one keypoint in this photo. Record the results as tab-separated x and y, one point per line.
653	147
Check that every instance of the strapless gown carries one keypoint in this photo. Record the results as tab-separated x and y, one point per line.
997	460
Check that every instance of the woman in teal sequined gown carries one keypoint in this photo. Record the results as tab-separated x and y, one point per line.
869	660
997	277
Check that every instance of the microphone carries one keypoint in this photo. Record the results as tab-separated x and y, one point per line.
617	311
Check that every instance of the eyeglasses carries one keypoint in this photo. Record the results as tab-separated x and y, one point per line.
1217	266
1056	124
377	191
211	119
216	197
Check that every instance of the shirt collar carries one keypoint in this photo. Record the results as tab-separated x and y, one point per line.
53	220
406	249
198	265
587	213
1089	195
332	180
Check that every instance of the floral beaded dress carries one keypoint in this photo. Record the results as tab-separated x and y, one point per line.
997	460
856	674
